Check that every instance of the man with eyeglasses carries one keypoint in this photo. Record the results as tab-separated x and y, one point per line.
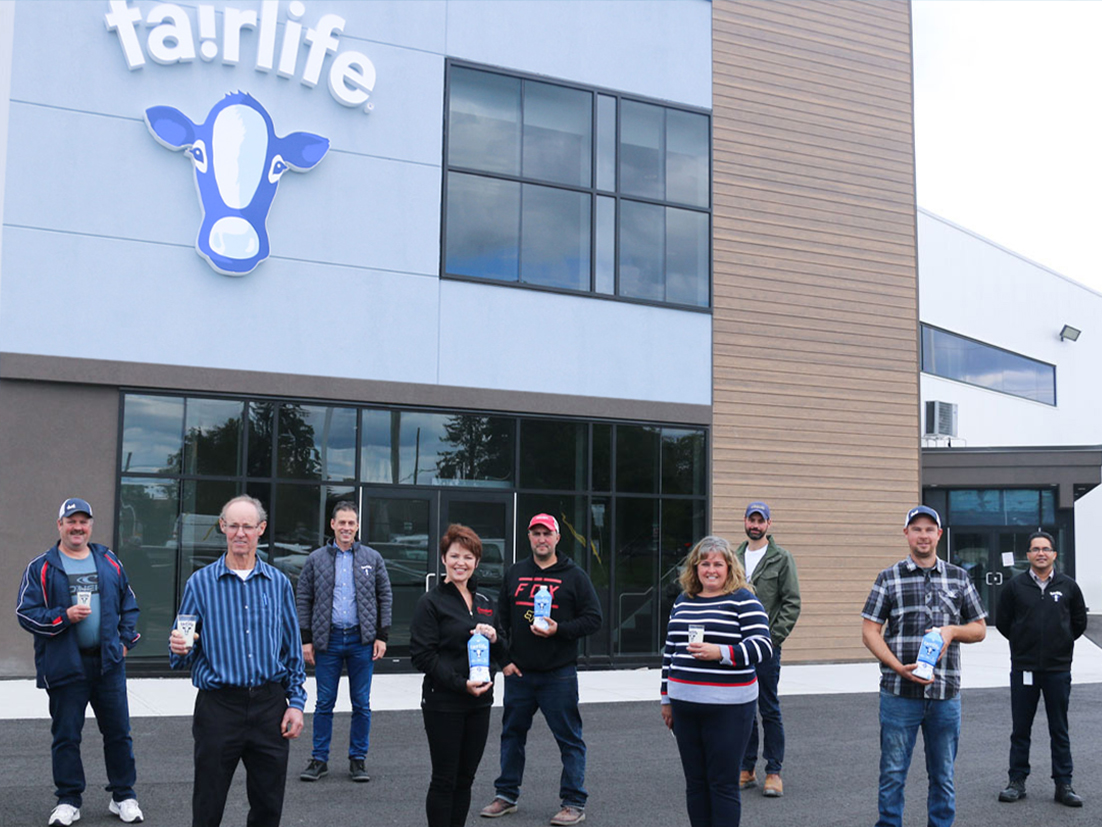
246	661
1042	613
344	611
542	670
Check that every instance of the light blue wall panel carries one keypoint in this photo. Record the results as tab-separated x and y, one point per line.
107	176
496	337
660	49
76	64
108	299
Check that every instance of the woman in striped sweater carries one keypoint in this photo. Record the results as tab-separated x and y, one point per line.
717	632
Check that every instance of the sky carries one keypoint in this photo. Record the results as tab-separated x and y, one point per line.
1008	125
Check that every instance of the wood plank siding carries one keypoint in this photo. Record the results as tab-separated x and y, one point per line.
815	342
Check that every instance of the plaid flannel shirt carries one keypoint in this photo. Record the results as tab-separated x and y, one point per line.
910	600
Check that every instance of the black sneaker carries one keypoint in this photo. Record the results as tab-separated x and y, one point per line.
1014	791
314	770
357	770
1066	796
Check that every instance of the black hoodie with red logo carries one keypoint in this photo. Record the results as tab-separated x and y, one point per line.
574	607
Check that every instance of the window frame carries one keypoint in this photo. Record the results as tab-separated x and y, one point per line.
591	190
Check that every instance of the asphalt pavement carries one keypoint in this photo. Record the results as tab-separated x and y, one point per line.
634	775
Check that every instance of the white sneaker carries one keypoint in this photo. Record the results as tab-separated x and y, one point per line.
64	814
128	810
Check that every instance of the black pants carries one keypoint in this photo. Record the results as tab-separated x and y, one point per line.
232	725
1056	687
712	740
456	742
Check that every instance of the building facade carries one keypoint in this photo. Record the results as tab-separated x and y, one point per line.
632	264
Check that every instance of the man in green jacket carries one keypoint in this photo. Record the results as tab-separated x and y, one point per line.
772	572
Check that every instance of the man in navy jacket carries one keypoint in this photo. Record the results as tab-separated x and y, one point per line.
77	602
1042	613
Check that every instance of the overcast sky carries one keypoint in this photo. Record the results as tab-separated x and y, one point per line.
1008	125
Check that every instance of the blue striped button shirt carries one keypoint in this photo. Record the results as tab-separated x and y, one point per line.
344	591
248	630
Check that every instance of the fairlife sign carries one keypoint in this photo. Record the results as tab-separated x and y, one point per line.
171	39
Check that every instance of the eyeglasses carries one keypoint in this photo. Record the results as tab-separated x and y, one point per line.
236	527
1035	550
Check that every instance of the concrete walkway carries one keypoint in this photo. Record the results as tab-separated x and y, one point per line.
986	665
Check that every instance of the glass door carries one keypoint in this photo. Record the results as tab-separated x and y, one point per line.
992	557
490	516
402	528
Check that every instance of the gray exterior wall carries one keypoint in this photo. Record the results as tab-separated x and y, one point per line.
56	441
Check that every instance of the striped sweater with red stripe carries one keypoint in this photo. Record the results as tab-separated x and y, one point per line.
739	625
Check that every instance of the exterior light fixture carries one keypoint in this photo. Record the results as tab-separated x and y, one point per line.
1069	333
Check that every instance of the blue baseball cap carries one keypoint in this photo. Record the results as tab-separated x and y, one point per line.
922	510
74	505
759	508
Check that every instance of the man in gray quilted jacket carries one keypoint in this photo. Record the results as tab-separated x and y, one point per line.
344	609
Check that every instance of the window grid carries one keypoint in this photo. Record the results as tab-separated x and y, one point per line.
592	190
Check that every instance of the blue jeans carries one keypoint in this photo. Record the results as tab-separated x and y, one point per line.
769	705
106	692
344	647
710	739
554	693
1056	687
900	719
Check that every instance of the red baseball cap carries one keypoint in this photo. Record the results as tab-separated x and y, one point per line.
545	520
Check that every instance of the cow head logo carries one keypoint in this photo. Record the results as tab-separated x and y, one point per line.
238	162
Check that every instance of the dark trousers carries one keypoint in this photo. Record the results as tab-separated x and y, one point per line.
456	742
712	740
232	725
769	706
1056	687
555	694
106	692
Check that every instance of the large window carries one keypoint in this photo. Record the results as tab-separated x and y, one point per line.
631	498
966	360
558	187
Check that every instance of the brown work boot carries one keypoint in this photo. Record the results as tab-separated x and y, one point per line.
747	779
773	787
567	816
498	807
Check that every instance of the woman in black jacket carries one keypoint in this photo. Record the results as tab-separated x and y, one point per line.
455	709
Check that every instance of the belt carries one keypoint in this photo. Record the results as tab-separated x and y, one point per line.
344	629
90	652
248	691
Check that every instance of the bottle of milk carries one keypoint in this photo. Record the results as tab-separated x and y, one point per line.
927	654
542	611
478	657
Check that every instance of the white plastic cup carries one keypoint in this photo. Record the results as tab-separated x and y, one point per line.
84	597
696	634
185	625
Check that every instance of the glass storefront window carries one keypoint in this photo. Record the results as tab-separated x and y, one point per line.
152	434
1001	506
299	458
456	449
301	524
317	442
553	454
636	562
148	546
212	437
637	459
683	461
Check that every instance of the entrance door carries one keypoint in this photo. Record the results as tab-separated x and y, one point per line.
491	518
405	527
983	554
